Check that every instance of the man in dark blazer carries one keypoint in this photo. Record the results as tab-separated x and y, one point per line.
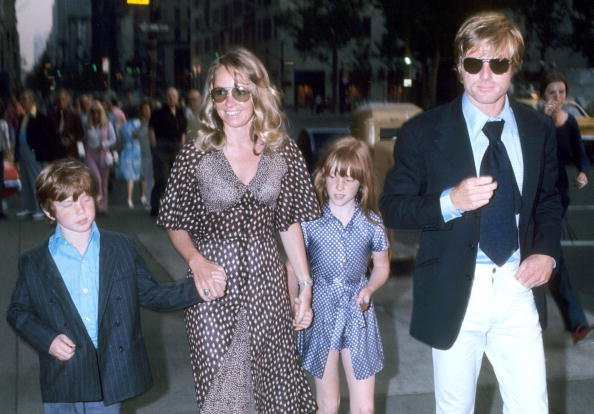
66	125
467	302
77	298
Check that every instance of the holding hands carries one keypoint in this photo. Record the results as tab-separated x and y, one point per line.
303	314
210	279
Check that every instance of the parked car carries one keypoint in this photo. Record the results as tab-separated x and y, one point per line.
311	142
378	125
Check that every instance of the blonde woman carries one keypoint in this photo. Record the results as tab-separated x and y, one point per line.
230	190
99	137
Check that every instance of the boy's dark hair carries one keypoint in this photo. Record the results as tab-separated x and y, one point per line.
62	179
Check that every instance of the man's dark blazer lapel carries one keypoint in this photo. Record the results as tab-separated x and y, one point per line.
453	143
531	141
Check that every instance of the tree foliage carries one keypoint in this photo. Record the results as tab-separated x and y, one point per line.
321	28
582	36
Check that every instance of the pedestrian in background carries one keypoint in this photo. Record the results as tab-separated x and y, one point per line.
77	299
570	149
339	248
129	165
66	124
167	133
35	146
99	138
5	152
193	113
477	177
146	158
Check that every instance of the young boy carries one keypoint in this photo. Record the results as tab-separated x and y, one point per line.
77	301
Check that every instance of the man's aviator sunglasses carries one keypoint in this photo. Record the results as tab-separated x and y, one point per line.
239	93
474	65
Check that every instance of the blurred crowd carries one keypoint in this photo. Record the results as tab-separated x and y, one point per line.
133	139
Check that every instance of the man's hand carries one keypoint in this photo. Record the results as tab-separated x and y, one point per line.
62	348
535	270
473	193
210	279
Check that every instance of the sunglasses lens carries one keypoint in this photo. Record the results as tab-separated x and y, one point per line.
218	94
472	65
240	94
499	66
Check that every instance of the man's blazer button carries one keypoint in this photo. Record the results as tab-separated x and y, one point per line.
121	348
468	277
471	246
117	323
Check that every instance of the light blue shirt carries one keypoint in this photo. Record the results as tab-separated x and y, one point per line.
81	276
475	120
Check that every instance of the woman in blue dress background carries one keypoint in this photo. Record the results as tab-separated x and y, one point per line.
130	160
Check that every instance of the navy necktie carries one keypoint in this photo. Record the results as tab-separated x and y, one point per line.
499	232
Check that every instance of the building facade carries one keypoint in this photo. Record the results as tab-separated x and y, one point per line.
10	55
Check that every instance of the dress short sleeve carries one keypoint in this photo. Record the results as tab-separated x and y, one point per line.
181	205
297	201
380	238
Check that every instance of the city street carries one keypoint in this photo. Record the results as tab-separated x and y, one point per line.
404	386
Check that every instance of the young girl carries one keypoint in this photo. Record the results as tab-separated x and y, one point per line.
339	246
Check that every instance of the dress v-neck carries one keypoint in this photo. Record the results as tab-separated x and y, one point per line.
230	167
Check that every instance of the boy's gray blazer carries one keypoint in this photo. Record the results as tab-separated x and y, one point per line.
41	309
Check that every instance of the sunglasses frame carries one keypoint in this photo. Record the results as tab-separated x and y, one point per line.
235	93
493	69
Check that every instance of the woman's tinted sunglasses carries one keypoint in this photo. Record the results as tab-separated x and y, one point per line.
239	93
474	65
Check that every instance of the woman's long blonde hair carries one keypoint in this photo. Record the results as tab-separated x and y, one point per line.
348	156
268	124
97	106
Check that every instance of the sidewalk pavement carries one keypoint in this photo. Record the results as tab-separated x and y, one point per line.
404	386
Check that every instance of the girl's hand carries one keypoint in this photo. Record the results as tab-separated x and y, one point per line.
363	298
210	279
303	315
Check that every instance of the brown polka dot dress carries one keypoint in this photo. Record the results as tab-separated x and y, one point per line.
242	346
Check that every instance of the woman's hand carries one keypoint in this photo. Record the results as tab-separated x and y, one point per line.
302	306
581	180
552	107
303	314
363	298
210	279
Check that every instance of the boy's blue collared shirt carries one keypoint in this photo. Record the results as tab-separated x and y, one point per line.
80	273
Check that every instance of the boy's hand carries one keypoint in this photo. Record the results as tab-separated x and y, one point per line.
303	315
210	279
62	348
363	299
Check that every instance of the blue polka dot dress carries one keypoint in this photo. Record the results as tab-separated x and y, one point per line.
338	258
